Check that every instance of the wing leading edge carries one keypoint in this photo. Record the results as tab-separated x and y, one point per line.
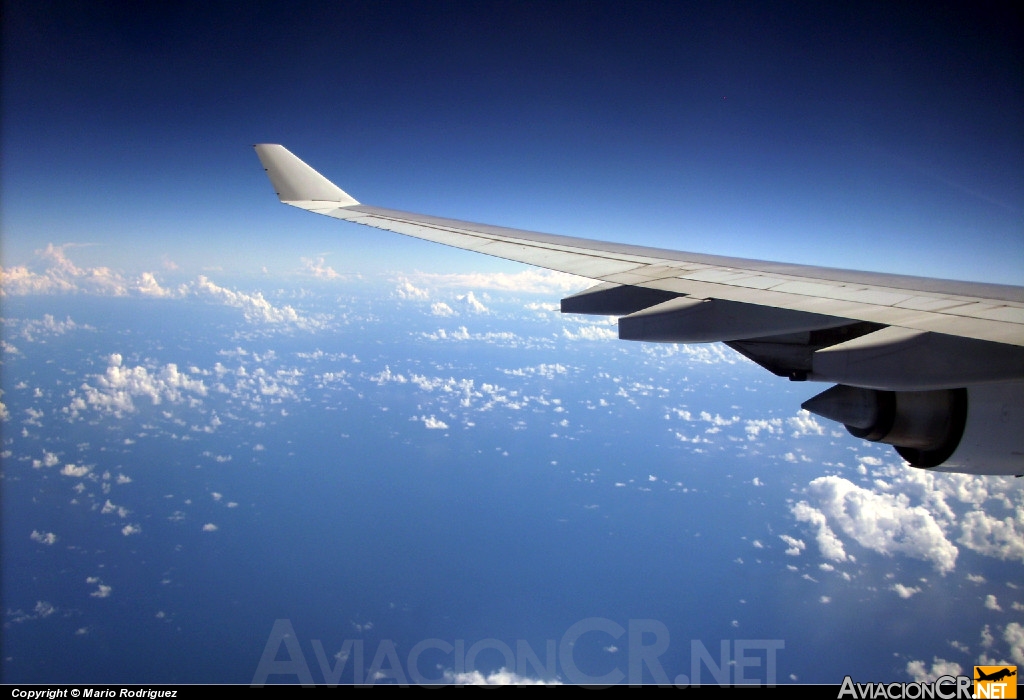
905	348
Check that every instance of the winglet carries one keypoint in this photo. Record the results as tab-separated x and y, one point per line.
294	181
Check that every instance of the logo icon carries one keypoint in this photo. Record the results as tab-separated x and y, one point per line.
995	682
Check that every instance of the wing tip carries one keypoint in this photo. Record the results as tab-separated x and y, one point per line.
295	181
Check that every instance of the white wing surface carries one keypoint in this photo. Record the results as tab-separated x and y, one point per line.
934	367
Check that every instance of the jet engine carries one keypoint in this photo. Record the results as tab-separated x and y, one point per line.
976	429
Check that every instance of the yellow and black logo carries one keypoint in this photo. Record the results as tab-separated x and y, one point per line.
995	682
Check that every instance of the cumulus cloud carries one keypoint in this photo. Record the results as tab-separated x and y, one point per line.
146	285
254	307
44	609
905	591
500	677
462	333
471	303
1001	538
921	673
695	353
590	332
830	546
48	325
991	603
102	591
754	428
72	470
210	527
885	523
441	309
114	391
49	460
803	423
795	546
543	370
109	507
407	290
317	267
433	423
43	537
1014	636
58	275
386	375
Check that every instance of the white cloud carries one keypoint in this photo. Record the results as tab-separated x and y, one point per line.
109	507
1014	636
433	423
590	332
441	309
471	303
43	537
905	591
254	307
131	530
48	325
462	333
500	677
696	353
114	390
72	470
55	273
406	290
830	546
754	428
919	671
102	591
885	523
210	527
795	546
49	460
803	423
991	603
386	375
44	609
544	370
717	420
988	535
319	268
60	276
147	285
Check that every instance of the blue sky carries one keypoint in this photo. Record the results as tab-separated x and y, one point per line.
886	138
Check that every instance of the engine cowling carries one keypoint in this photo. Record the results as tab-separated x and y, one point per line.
976	429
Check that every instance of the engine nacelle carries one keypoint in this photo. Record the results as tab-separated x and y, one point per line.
975	430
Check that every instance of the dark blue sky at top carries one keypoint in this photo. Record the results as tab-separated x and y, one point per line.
885	136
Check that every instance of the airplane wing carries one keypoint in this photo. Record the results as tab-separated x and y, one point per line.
933	367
